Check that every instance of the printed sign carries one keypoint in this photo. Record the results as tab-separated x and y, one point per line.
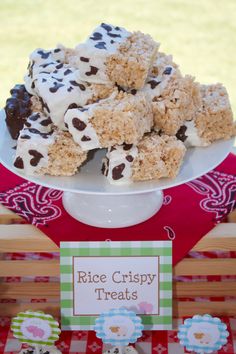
99	276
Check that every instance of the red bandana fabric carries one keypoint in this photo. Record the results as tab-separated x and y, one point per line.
189	211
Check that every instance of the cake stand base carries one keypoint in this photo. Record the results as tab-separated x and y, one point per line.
112	211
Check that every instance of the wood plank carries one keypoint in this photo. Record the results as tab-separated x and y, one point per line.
222	237
29	268
218	266
30	290
202	288
13	308
25	238
218	308
9	217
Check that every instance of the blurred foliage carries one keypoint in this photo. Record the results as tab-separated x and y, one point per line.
200	34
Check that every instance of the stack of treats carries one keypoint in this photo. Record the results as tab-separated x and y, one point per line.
118	92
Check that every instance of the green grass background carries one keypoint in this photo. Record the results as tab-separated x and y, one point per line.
200	34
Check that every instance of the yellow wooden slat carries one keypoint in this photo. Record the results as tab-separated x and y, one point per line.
218	266
29	268
13	308
222	237
24	238
217	308
202	288
29	290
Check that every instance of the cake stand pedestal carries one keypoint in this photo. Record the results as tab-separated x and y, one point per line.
111	211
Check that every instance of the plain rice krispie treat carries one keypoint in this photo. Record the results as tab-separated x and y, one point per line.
175	99
57	85
112	54
214	120
43	150
122	118
154	157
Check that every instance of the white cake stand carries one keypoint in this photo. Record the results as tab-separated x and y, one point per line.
89	198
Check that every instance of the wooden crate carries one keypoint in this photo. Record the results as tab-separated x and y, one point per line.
18	237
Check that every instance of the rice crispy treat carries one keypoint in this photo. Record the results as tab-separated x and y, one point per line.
18	108
43	150
175	99
214	120
57	86
162	62
121	118
112	54
154	157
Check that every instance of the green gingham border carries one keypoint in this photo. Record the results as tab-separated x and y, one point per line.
163	249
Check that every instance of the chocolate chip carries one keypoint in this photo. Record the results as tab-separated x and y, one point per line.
120	89
43	54
59	66
78	124
117	171
86	60
117	351
111	41
55	71
57	50
106	27
27	124
46	122
66	125
112	148
70	89
181	133
34	117
117	28
133	91
129	158
153	83
96	36
14	147
101	45
93	71
25	136
36	157
85	138
74	83
43	80
67	72
127	146
19	163
45	65
113	35
73	105
56	87
55	78
33	84
167	70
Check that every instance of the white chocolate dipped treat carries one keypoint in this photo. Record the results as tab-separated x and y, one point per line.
117	165
213	121
189	134
57	85
42	350
42	150
113	54
154	157
92	55
121	118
